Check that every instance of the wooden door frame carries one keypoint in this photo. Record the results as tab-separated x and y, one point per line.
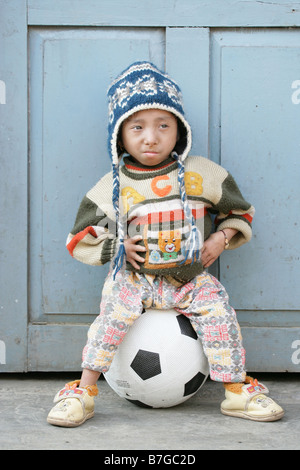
13	185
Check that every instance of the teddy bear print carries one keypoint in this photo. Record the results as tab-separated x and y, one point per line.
169	243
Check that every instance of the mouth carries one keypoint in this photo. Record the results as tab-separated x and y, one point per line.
150	153
170	248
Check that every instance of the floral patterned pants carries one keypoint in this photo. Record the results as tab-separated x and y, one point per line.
203	300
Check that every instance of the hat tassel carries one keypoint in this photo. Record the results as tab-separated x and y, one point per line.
194	242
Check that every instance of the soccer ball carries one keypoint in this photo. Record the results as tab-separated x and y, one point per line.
160	362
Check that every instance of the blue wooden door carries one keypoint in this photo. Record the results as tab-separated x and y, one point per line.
256	135
241	88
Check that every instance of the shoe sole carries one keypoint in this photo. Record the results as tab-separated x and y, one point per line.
69	424
245	415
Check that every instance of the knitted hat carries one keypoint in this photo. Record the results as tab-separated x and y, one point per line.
142	86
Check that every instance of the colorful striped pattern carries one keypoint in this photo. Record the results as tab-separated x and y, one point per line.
146	211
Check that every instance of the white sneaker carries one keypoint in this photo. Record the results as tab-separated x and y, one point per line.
73	407
250	402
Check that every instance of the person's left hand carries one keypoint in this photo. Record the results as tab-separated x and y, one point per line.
212	248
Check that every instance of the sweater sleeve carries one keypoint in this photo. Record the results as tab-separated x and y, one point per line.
92	240
233	211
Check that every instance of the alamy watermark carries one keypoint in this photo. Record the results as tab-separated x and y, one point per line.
296	355
159	221
2	352
2	92
296	94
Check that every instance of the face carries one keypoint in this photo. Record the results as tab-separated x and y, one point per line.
150	135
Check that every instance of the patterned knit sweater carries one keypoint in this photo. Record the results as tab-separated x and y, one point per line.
151	207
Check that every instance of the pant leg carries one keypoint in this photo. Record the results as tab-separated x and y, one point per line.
207	306
120	306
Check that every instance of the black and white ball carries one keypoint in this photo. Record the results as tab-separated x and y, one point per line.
160	362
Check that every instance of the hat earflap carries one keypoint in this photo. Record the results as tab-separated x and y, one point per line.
119	258
194	242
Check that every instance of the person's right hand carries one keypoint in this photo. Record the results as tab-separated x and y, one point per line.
132	250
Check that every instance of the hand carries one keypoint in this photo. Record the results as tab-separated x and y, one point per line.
212	248
214	245
132	250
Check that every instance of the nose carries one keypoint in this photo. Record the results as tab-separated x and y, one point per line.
150	137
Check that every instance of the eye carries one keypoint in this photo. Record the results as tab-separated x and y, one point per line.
164	126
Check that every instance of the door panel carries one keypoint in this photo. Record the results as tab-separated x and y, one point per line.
255	135
70	71
259	144
188	13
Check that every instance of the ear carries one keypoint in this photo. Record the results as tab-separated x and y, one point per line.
120	147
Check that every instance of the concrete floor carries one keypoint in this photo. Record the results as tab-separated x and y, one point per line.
197	424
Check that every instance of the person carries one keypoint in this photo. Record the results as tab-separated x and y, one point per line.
152	218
